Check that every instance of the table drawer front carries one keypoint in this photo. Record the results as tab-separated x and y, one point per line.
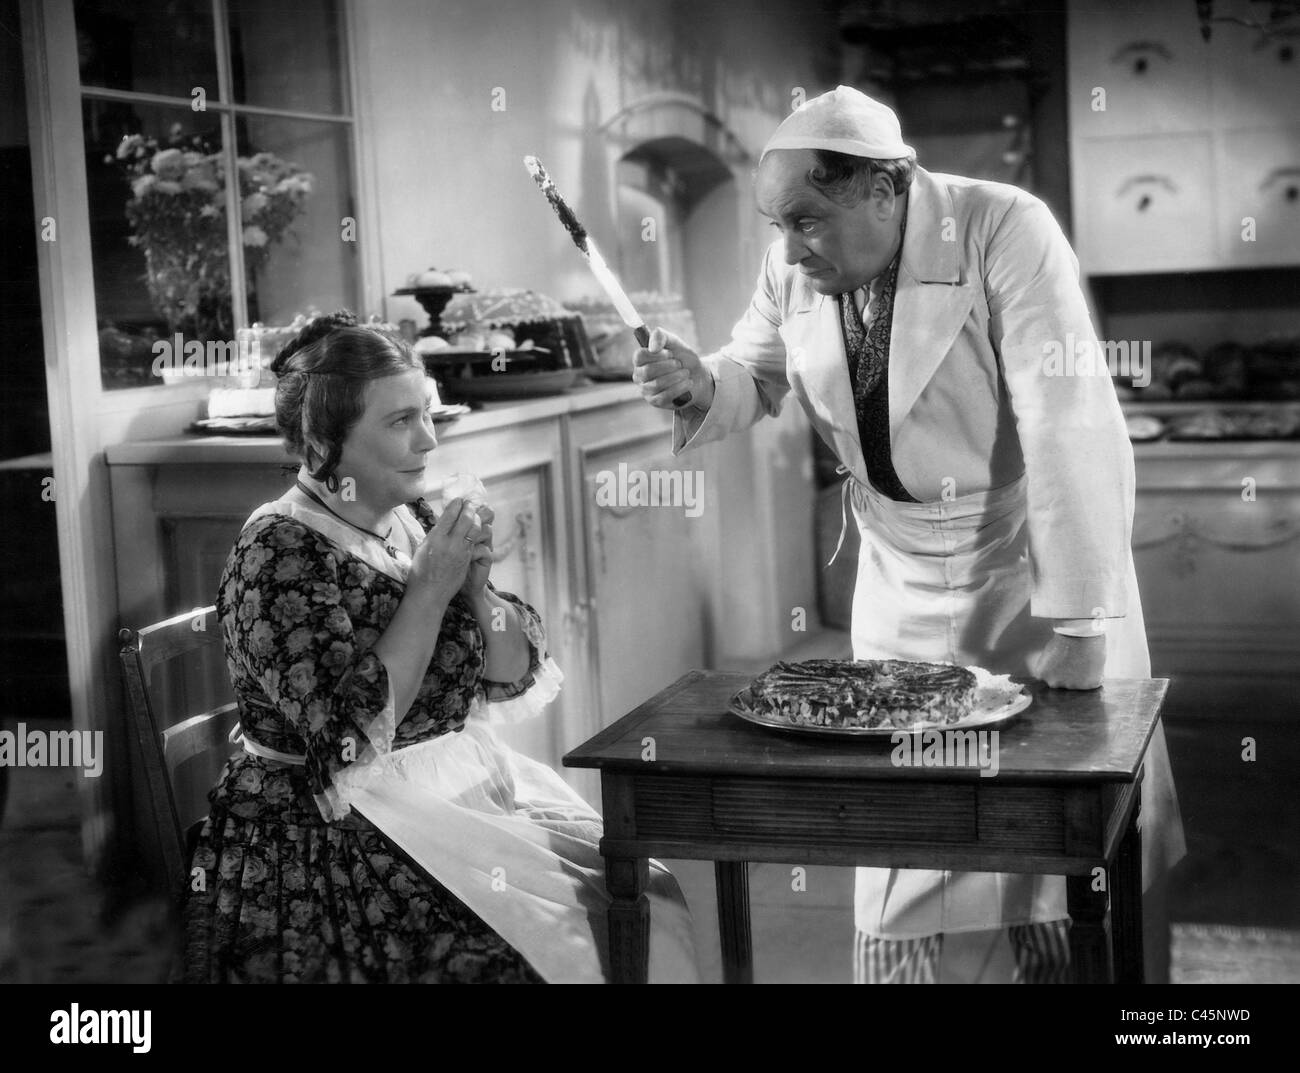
829	811
1016	817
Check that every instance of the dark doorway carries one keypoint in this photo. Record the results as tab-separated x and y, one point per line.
33	656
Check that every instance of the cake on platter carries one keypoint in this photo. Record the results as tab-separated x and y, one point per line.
861	694
513	318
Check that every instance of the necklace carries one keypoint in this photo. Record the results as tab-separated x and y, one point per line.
384	540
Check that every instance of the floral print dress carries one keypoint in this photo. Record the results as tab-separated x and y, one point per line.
288	882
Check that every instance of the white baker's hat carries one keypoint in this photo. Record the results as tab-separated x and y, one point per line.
845	120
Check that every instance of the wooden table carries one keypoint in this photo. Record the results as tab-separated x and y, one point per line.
682	777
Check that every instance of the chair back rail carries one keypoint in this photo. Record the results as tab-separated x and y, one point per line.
171	738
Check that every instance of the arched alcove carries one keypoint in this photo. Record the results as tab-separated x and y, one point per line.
671	160
683	220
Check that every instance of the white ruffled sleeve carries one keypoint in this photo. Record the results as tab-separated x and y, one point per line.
513	702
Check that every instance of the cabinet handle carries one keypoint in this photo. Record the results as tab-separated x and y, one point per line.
600	543
1289	175
1146	183
1140	51
618	512
576	621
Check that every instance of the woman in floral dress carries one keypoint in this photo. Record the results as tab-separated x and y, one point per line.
374	828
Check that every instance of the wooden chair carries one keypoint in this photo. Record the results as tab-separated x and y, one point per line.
170	739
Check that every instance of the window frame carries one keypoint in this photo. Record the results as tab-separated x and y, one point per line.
84	417
129	398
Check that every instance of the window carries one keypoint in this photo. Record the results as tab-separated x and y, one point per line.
178	96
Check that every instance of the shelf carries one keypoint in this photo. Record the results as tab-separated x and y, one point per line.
1184	406
197	449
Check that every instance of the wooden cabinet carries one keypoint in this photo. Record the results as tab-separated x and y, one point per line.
525	562
1250	75
1258	196
1216	544
1136	68
1183	153
647	589
1142	202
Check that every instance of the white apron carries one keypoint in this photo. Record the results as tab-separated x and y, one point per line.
950	582
515	843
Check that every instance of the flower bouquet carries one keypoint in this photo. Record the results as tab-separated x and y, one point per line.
177	211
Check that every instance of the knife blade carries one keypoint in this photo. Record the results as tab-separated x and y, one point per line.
600	269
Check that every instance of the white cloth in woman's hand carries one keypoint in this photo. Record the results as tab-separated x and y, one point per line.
467	487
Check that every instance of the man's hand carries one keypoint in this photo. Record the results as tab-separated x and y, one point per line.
1073	662
668	368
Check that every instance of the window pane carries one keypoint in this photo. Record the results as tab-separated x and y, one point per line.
147	46
288	57
158	232
296	187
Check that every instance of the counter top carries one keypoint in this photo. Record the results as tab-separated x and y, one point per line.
1193	449
200	450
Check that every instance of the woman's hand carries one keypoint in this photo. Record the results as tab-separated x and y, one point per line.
480	564
441	562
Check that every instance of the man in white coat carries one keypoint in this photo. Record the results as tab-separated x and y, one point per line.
920	320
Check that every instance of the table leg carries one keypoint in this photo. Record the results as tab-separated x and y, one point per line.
1126	905
1090	945
732	879
629	919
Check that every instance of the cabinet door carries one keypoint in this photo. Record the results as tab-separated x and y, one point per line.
1145	203
1149	59
1258	179
643	601
520	552
1219	570
517	561
1255	80
648	593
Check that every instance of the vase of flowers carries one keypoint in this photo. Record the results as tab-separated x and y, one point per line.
177	212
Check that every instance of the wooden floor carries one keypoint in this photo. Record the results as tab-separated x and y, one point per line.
1234	895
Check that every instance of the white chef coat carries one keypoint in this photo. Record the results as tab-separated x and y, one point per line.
1025	480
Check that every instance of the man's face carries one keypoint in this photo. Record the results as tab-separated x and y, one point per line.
837	248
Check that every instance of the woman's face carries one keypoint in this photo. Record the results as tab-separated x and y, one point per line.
386	451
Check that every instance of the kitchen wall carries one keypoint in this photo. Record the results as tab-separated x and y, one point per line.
455	94
451	186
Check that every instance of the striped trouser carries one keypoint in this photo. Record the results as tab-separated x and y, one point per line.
1042	953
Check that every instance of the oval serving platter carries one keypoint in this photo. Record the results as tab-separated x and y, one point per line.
995	710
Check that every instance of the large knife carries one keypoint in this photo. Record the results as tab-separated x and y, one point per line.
602	272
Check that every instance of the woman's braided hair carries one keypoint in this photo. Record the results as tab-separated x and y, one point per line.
321	376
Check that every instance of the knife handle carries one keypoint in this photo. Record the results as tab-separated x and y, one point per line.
642	334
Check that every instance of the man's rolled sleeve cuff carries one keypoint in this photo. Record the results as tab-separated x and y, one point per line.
691	428
1086	599
1079	627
